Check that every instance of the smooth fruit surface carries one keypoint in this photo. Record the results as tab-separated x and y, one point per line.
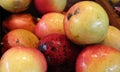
19	21
113	38
45	6
15	6
86	22
49	23
20	59
98	58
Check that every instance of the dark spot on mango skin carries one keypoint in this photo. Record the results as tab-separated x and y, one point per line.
17	41
69	16
76	11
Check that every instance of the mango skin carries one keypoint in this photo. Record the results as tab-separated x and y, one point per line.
45	6
98	58
15	6
113	38
86	22
22	59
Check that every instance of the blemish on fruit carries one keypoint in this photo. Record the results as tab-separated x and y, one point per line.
69	16
77	11
17	41
77	36
42	47
98	17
